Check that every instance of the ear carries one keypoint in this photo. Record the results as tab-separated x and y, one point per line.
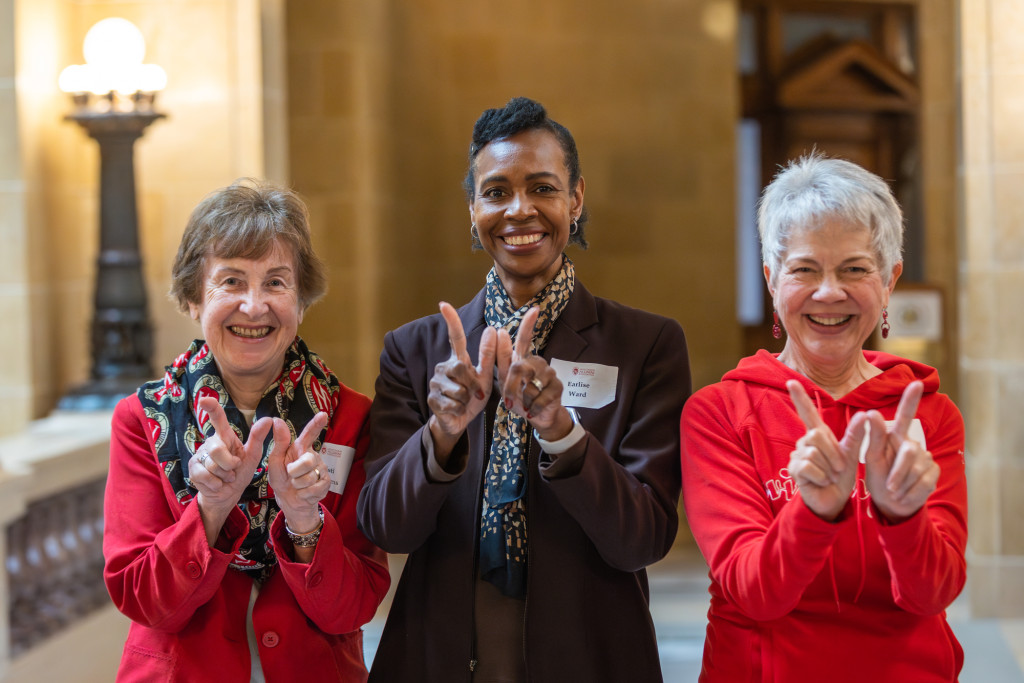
768	279
302	312
577	198
193	311
897	270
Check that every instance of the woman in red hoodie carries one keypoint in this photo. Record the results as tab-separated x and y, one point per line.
825	484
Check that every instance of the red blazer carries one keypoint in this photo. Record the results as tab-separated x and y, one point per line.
188	609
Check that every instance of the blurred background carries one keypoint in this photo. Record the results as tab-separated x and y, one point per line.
682	111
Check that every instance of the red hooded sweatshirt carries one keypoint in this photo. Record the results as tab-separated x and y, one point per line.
795	598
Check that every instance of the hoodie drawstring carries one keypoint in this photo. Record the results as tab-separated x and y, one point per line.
831	554
858	514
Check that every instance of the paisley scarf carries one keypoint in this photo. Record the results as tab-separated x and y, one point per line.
178	427
503	547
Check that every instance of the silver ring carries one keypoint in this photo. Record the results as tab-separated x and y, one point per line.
202	458
537	383
317	470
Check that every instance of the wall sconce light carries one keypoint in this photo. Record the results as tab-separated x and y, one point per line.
113	96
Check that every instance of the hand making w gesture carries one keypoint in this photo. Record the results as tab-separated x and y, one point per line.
459	390
823	467
223	466
298	475
900	472
529	385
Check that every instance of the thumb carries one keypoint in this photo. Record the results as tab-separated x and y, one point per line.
488	350
852	441
503	351
875	455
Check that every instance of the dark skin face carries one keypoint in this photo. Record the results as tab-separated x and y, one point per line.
523	207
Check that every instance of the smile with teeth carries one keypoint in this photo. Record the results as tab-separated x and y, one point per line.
250	332
522	240
830	319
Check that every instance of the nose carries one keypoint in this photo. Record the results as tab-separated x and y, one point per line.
521	207
254	303
830	289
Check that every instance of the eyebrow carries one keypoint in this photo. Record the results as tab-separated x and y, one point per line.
531	176
239	271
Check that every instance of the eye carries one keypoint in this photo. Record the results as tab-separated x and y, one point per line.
546	188
493	193
231	281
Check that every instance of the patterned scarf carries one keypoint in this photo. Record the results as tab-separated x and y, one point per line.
178	427
503	523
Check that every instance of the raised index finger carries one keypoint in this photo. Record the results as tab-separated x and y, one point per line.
907	408
456	335
524	337
804	407
305	440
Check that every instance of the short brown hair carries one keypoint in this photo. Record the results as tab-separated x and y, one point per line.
245	220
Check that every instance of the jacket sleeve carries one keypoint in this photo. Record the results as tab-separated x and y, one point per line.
341	588
399	504
763	562
159	569
625	494
925	553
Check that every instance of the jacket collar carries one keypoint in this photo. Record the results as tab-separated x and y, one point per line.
567	340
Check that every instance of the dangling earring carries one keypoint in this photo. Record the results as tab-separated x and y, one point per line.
776	328
575	228
475	241
885	322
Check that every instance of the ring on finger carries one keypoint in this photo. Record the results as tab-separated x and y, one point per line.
316	471
537	383
202	458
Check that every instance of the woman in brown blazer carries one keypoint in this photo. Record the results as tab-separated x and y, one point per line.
533	483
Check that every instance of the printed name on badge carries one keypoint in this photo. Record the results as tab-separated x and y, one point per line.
338	459
586	385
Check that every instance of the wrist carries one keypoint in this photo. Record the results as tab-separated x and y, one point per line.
569	439
304	539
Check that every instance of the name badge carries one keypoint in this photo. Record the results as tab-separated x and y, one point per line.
338	459
915	433
586	385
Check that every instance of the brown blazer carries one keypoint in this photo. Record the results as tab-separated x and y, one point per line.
591	534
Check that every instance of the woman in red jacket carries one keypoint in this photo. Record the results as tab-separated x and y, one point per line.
825	485
230	536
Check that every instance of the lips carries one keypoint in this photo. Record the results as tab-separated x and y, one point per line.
830	320
523	240
250	332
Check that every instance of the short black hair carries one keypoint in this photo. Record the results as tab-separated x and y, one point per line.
521	114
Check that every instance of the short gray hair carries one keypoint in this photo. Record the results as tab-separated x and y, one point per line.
815	187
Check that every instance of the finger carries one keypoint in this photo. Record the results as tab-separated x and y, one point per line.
875	456
853	439
485	370
804	406
806	471
282	439
907	409
902	475
503	352
215	410
310	433
456	335
524	337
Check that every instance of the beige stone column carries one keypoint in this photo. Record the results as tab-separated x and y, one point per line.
992	297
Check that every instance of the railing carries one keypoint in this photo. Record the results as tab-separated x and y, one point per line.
54	564
56	619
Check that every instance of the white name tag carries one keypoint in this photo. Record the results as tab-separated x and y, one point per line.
915	433
586	385
339	461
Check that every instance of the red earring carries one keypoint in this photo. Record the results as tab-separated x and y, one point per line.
885	323
776	328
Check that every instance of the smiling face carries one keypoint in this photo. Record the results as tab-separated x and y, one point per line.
829	295
523	207
250	314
